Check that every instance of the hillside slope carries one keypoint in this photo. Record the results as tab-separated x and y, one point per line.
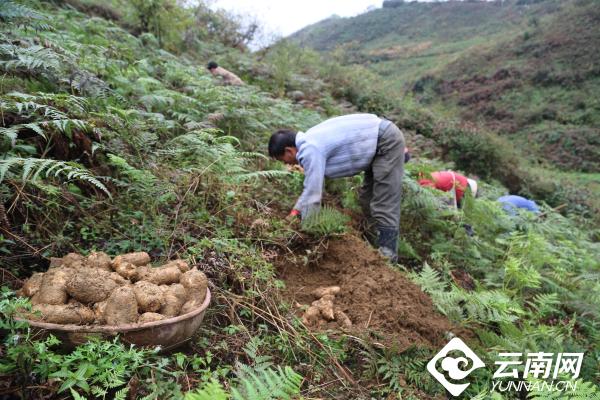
529	71
114	139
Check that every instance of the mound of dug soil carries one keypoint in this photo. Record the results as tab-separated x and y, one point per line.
372	295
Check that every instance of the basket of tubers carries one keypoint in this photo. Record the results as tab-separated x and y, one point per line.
81	297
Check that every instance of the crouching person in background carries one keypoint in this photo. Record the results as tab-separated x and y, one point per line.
450	181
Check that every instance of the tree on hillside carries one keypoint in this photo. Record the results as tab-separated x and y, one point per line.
148	13
232	30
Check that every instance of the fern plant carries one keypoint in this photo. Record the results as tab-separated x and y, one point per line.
35	168
326	221
268	384
409	365
11	11
32	60
583	391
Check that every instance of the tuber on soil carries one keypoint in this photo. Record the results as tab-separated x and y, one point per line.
311	316
121	307
149	296
324	291
325	306
343	319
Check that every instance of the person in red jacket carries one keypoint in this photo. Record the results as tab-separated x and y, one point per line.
448	180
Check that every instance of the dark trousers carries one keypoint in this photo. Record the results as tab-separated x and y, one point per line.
381	192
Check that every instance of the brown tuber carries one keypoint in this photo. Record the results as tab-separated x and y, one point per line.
174	299
32	285
121	307
126	290
143	272
99	260
90	285
137	259
182	265
149	296
73	260
324	291
325	306
150	317
64	314
53	289
127	270
195	284
311	316
164	275
118	279
99	313
343	319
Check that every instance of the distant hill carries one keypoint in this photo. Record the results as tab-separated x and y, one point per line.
525	68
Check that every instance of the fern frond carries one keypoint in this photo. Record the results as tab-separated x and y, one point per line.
280	384
583	391
33	59
35	168
429	279
209	391
325	222
11	10
260	175
545	304
259	362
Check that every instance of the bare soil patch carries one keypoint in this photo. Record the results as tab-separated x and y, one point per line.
377	299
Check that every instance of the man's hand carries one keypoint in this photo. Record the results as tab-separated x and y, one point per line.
293	216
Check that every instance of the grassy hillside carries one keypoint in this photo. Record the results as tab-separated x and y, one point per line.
527	70
116	139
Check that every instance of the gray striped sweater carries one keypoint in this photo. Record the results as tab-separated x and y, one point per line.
338	147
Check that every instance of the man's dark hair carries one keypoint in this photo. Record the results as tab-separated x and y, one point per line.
280	140
212	65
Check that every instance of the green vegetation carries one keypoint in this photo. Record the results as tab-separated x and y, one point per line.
327	221
115	138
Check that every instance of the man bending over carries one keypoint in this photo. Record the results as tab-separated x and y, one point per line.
346	146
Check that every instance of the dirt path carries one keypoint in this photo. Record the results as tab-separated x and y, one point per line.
375	297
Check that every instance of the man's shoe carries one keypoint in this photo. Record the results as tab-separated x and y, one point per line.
388	243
